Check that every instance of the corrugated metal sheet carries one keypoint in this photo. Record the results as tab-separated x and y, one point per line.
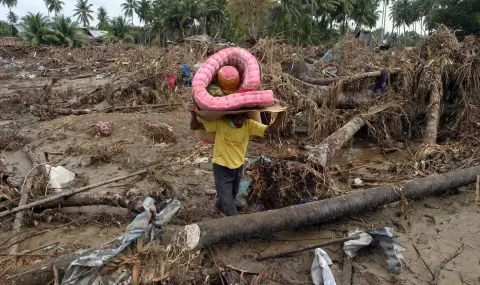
97	33
20	28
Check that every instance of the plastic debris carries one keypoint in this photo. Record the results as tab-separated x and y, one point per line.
100	76
199	160
41	68
85	269
25	74
188	74
171	80
383	237
320	271
196	67
357	181
59	176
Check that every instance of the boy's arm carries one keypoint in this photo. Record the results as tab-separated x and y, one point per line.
273	128
194	123
259	130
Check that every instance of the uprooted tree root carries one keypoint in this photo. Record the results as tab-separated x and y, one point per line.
284	182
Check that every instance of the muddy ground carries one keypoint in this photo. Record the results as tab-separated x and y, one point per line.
434	230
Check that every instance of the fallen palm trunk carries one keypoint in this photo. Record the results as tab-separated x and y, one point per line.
321	96
42	272
68	193
433	115
299	70
66	111
133	203
331	80
38	164
233	228
323	153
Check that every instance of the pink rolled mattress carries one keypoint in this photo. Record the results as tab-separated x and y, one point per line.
250	76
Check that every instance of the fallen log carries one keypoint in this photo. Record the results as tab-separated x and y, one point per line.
132	202
433	115
321	95
38	167
323	153
69	193
65	111
299	70
233	228
128	108
80	76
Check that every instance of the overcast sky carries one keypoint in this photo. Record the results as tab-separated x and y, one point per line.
112	6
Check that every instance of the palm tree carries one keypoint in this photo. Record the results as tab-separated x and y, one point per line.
287	14
102	18
67	32
384	15
142	10
187	12
83	12
9	3
322	8
402	14
36	28
341	14
12	17
213	13
129	7
365	13
54	5
119	27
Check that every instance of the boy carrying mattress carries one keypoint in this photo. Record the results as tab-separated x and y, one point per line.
232	133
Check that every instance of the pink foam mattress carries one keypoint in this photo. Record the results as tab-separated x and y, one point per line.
247	95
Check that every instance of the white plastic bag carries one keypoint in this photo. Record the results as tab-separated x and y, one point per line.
59	176
321	272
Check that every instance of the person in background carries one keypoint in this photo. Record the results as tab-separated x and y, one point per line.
232	133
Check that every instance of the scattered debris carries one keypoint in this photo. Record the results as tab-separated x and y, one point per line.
384	237
320	271
59	177
117	261
160	133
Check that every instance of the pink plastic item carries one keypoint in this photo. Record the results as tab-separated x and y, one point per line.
250	76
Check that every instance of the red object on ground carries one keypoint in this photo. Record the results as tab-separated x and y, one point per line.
171	80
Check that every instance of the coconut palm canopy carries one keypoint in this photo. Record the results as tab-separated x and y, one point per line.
295	21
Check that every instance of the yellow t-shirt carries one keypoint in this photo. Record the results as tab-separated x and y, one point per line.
231	143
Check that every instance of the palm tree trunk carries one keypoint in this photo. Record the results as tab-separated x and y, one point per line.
383	19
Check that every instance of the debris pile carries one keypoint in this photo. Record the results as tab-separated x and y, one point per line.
279	183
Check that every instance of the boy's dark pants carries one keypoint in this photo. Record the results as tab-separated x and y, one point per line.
227	182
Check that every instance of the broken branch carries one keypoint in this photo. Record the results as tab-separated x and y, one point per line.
323	244
69	193
323	153
38	163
